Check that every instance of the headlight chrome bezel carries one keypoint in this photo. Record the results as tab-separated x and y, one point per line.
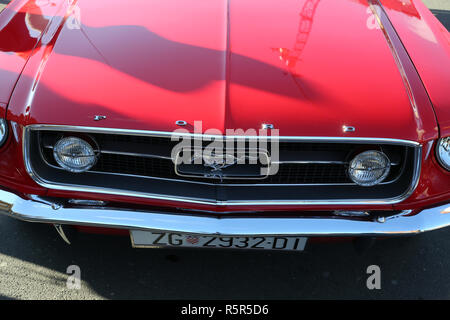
3	131
91	153
376	155
443	145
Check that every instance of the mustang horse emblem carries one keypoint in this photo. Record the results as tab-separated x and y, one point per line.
217	162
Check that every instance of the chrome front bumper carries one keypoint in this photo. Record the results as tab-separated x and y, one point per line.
45	212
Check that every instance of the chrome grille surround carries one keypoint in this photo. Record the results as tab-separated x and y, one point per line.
207	201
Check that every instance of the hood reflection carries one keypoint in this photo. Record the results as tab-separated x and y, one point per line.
23	29
290	57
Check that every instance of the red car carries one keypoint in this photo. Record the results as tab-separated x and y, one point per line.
226	123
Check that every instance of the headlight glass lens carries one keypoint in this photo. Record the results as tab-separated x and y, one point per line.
3	131
443	152
369	168
74	154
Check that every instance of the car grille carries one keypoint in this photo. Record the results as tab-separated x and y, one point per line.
308	171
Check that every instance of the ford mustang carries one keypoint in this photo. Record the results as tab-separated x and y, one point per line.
252	124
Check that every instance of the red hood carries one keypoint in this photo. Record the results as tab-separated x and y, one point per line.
307	66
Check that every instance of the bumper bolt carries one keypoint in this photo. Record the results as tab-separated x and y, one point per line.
381	219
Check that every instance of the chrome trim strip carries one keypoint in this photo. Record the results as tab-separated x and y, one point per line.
149	155
396	46
122	153
309	161
226	184
67	187
397	225
165	134
133	154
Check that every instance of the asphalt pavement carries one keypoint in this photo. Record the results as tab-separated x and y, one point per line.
34	261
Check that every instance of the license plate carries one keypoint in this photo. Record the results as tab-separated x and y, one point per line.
147	239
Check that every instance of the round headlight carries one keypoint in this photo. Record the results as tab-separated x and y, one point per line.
369	168
3	131
443	152
74	154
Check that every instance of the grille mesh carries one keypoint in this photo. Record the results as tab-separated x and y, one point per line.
313	173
